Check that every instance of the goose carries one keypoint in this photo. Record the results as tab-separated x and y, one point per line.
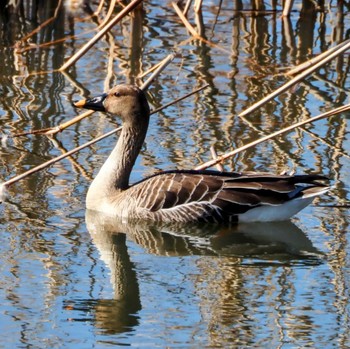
184	196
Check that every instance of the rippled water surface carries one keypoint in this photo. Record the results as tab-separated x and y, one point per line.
70	278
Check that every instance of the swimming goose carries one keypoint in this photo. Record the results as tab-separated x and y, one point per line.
185	195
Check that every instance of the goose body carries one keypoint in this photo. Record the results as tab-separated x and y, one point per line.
186	196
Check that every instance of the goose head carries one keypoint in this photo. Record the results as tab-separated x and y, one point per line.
126	101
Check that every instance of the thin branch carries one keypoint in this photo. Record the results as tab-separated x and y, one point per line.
75	164
42	25
198	5
184	20
187	7
69	37
162	65
273	135
56	159
318	58
54	130
99	8
101	33
73	151
215	156
68	123
192	31
108	15
295	80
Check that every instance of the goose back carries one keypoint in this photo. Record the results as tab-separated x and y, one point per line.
211	196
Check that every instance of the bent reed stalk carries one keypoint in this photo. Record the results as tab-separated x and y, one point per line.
221	158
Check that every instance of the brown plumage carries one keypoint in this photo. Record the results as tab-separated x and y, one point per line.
186	196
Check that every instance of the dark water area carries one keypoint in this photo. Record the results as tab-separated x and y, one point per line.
71	278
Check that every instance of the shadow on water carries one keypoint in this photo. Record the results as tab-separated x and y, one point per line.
281	243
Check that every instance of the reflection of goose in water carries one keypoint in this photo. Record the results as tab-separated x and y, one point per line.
281	242
186	196
274	240
119	314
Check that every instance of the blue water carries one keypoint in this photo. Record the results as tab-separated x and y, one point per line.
68	279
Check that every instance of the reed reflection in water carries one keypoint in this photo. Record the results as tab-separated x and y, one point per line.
281	285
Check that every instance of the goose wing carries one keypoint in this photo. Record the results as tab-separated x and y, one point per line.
218	196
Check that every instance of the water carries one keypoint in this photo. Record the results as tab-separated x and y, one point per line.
72	279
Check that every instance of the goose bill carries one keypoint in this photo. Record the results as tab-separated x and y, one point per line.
95	103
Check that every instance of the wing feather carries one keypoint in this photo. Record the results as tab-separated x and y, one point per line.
210	195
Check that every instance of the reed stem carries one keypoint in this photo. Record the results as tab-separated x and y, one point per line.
101	33
272	135
73	151
295	80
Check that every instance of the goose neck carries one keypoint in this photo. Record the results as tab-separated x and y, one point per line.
114	175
